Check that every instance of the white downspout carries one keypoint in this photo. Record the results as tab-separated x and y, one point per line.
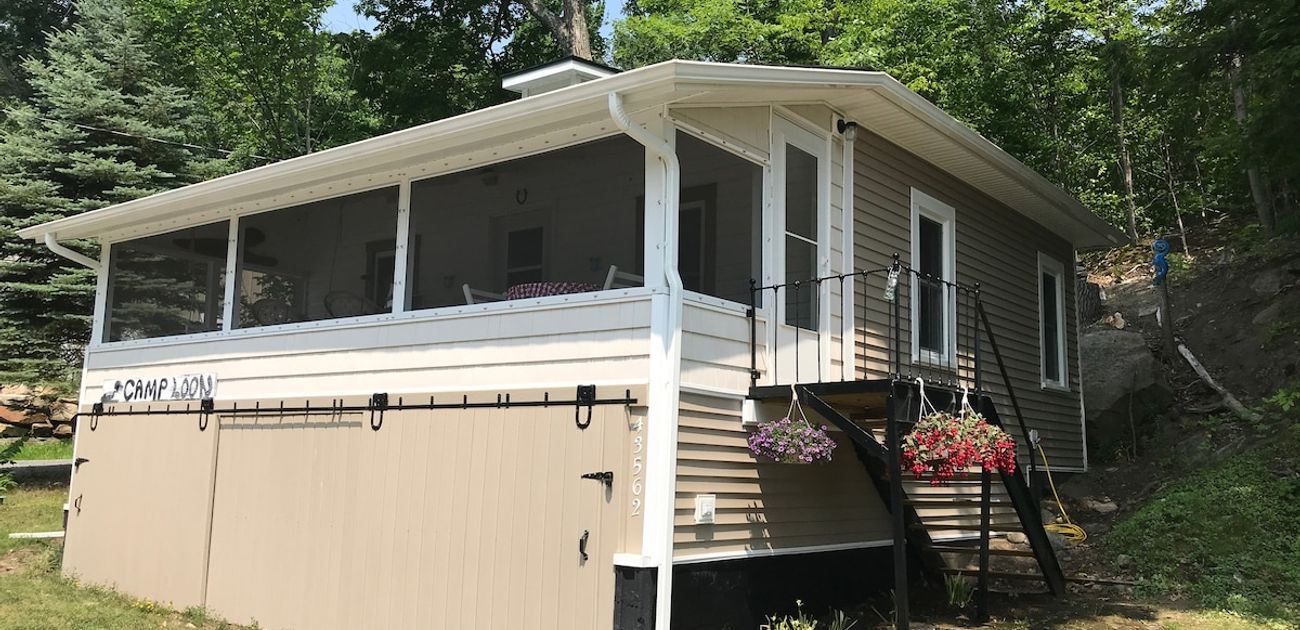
52	242
848	327
667	490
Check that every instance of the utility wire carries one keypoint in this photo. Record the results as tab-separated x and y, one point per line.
146	138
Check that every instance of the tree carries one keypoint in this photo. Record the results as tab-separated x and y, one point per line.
23	24
272	82
431	59
58	158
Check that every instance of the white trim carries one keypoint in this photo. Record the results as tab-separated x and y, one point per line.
612	296
924	205
234	249
715	303
848	325
1078	358
553	76
634	560
1050	266
99	321
715	392
768	553
403	251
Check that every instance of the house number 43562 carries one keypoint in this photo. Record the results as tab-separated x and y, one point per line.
638	463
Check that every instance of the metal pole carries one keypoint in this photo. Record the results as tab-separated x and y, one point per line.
753	333
901	610
982	595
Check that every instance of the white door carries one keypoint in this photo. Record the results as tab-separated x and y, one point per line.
800	223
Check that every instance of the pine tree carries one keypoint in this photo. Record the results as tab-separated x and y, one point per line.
58	158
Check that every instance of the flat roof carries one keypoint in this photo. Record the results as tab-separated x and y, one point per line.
876	101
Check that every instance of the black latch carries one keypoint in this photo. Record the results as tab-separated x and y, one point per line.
95	410
586	396
206	407
78	462
605	476
379	403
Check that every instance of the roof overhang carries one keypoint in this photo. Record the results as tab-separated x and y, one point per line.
874	100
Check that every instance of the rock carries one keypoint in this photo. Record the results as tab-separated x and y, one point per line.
1119	374
1101	507
1018	538
42	429
1115	321
13	416
13	431
1268	315
1267	282
63	431
1124	560
63	411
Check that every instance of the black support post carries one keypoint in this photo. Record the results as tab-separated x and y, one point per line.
893	440
982	595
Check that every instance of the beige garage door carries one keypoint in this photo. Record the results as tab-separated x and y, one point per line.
139	513
459	519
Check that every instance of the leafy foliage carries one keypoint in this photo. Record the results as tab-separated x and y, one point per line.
56	160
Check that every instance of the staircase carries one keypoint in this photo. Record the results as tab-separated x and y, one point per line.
949	529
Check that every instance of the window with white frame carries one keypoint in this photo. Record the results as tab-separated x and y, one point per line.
933	299
801	229
1051	321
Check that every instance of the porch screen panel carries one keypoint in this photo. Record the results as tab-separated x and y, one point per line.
720	207
322	260
169	284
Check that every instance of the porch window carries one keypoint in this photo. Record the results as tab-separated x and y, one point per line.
322	260
933	254
800	237
169	284
557	222
1051	317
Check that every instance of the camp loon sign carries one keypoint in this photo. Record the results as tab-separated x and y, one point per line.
160	388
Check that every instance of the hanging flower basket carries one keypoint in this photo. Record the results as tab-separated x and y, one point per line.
790	441
943	444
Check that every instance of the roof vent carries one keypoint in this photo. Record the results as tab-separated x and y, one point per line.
557	74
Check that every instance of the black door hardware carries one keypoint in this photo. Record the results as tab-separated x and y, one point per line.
582	545
606	477
76	464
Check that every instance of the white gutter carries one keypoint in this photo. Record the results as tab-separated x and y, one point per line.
848	326
664	415
52	242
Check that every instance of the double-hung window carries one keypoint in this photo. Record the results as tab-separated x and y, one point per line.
801	224
1051	321
933	300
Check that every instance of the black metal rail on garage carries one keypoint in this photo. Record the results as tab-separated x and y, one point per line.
585	397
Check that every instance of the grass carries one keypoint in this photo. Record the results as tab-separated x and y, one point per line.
45	449
1225	536
33	596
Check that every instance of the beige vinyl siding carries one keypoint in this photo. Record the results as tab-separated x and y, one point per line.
450	518
997	248
715	346
763	507
139	506
601	339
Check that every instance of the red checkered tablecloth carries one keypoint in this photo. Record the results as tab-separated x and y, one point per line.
543	289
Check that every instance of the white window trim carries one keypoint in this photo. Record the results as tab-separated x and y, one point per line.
792	129
1053	267
924	205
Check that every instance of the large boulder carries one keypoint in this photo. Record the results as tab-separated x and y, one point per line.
1122	383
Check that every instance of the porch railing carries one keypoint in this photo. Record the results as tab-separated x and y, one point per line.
906	325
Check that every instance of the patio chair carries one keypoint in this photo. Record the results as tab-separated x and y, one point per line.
616	279
479	296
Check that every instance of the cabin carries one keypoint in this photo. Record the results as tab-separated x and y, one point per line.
499	370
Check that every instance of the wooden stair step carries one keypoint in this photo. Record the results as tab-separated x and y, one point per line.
1020	553
963	502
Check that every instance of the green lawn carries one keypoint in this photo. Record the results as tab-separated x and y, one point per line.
43	449
33	596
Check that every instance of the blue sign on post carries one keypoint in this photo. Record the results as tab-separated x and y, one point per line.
1161	248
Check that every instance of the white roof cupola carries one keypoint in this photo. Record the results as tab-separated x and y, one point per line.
557	74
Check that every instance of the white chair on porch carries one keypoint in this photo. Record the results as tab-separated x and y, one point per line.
616	279
479	296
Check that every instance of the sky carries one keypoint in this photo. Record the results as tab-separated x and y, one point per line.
343	17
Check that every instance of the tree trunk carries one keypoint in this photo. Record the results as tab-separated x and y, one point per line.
1258	185
1173	194
1125	164
569	28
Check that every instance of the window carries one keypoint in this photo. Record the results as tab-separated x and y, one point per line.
322	260
1051	318
525	253
169	284
800	237
933	300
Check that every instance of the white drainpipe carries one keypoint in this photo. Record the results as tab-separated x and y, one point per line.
52	242
664	415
